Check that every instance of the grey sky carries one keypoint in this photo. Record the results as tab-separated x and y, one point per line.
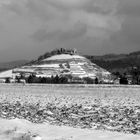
29	28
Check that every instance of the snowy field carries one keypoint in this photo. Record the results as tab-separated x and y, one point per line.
21	130
105	94
69	112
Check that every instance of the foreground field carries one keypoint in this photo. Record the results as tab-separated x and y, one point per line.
67	94
87	107
21	130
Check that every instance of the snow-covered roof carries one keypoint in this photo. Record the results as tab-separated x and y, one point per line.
64	56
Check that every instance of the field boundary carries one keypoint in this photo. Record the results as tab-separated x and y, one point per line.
74	85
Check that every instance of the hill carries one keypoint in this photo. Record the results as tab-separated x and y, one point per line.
114	62
110	62
62	63
10	65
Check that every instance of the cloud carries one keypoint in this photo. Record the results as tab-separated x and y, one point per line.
3	2
69	3
130	33
65	15
127	39
129	8
42	35
77	31
92	23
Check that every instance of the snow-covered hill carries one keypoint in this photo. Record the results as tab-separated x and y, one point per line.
62	64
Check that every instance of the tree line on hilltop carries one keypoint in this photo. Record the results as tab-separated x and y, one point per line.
56	52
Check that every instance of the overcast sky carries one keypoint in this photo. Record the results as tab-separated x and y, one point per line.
29	28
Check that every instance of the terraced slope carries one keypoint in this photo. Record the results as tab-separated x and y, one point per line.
64	64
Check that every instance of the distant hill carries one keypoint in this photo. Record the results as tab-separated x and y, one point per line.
10	65
114	62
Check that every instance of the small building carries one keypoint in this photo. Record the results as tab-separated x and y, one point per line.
129	78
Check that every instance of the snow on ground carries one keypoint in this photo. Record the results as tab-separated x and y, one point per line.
46	66
77	69
7	73
14	129
64	56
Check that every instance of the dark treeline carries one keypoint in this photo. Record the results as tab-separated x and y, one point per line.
56	52
55	80
126	67
52	53
130	76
